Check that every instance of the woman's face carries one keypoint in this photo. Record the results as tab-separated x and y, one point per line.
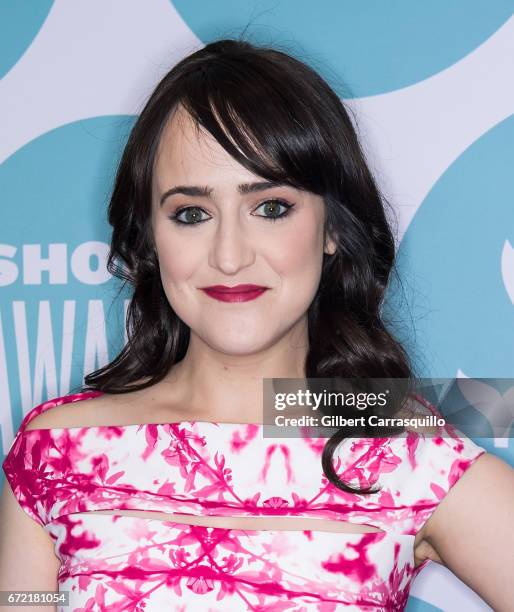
230	235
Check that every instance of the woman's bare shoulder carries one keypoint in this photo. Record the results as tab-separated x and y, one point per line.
105	409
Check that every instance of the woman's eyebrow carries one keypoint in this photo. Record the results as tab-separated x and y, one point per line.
205	192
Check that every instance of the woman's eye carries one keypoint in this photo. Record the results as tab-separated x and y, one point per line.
192	215
188	216
272	209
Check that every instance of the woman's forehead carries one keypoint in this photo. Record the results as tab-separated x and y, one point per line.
181	135
186	147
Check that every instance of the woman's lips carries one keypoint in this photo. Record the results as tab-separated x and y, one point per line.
239	293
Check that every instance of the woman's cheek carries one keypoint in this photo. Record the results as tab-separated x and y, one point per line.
176	261
299	253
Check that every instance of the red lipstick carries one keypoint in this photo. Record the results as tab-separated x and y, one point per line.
239	293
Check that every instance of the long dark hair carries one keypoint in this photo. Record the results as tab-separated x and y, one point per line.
282	121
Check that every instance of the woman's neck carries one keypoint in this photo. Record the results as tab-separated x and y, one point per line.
213	386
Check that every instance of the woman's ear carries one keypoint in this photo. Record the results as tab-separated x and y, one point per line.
330	246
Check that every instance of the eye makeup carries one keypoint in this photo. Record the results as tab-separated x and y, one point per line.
196	211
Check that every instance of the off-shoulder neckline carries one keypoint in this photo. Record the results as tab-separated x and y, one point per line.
72	399
90	394
131	425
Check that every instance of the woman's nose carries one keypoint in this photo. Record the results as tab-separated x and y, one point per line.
232	249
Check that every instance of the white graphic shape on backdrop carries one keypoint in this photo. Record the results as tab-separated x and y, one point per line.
507	266
439	587
412	135
115	54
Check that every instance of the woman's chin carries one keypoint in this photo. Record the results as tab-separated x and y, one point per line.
240	346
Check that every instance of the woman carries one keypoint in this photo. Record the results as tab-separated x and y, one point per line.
256	241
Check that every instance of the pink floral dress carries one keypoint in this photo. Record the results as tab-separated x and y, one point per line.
115	562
